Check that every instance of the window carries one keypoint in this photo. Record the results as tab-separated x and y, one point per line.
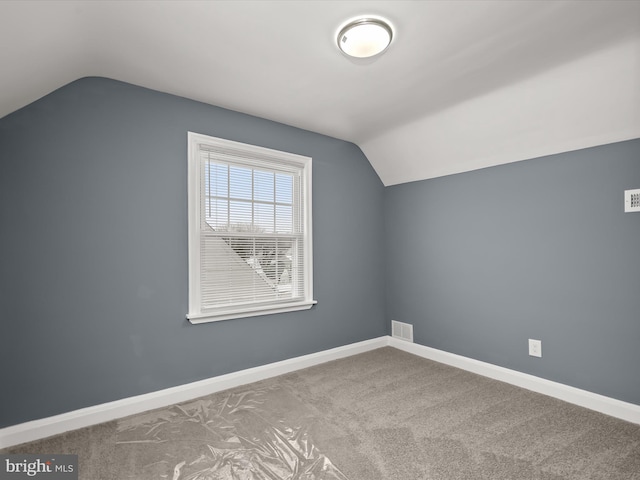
249	230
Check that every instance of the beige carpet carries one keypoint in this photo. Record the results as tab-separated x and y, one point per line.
384	414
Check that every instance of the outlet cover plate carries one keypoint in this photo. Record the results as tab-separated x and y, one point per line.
535	347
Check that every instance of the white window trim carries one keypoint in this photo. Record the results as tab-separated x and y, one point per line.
196	315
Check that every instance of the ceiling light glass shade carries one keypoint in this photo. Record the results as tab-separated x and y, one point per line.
365	37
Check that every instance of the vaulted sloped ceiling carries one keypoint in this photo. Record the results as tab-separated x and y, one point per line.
464	85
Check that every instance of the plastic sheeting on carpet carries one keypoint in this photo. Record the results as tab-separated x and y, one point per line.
229	436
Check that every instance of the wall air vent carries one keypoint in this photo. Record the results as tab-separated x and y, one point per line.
403	331
632	200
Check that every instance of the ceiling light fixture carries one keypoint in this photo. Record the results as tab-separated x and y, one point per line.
365	37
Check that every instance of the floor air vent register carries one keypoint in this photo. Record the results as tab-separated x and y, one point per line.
403	331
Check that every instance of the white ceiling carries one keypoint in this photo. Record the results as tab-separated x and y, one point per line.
464	85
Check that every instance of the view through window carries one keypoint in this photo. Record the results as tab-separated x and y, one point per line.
253	230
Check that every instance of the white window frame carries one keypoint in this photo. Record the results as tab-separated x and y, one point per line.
197	314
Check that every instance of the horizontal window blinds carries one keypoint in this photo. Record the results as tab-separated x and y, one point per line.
252	229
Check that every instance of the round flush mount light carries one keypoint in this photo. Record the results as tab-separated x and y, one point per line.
365	37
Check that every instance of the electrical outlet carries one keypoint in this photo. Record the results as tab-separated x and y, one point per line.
535	348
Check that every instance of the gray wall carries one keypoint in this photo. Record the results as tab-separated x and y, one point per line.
93	250
479	262
93	256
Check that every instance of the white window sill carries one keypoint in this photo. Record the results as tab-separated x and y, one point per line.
248	312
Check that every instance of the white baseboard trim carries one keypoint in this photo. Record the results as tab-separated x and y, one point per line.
593	401
85	417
